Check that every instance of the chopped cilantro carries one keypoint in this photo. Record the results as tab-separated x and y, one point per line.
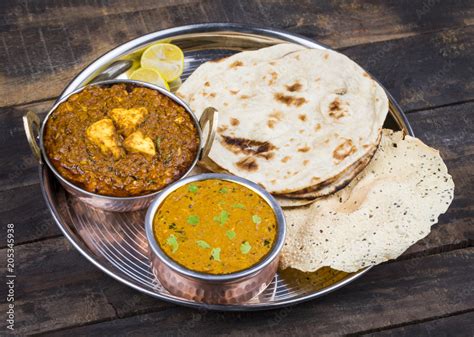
256	219
193	220
193	188
203	244
224	190
222	217
238	206
266	243
216	254
230	234
173	243
245	247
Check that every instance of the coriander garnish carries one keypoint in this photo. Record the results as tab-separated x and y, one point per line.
224	190
222	217
245	247
193	220
241	206
193	188
216	254
203	244
173	243
256	219
230	234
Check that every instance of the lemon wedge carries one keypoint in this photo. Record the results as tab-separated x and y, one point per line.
149	75
166	58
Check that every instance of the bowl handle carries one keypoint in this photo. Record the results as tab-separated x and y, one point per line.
209	116
31	124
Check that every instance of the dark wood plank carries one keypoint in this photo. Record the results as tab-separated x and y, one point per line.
18	166
66	36
58	287
451	131
339	24
423	71
459	326
25	208
389	295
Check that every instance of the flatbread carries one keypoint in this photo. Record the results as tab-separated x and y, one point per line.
289	118
336	183
388	207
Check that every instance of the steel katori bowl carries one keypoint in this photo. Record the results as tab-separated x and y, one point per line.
35	129
230	288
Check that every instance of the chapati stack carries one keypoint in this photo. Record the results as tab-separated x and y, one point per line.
300	122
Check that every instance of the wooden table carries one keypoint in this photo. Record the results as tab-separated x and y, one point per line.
422	52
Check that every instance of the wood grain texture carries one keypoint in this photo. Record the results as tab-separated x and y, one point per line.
389	295
18	166
56	287
461	325
26	209
422	51
49	42
423	71
451	131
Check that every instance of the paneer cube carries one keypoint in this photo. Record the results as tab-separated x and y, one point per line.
136	142
104	135
127	120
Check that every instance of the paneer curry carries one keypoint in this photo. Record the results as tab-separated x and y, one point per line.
215	226
121	140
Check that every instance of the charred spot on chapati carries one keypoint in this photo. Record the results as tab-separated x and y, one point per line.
219	59
222	128
344	150
274	117
236	64
249	147
274	77
302	117
294	87
247	164
289	100
341	91
304	149
337	109
234	122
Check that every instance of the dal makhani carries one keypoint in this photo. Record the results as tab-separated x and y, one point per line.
215	226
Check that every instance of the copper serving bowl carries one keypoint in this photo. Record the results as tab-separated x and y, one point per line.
230	288
34	130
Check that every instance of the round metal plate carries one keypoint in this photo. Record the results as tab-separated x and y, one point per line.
116	242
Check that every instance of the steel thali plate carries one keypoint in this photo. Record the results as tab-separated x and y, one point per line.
116	242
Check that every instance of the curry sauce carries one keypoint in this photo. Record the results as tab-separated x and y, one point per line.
215	226
121	141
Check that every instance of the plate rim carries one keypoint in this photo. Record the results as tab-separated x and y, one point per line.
121	49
